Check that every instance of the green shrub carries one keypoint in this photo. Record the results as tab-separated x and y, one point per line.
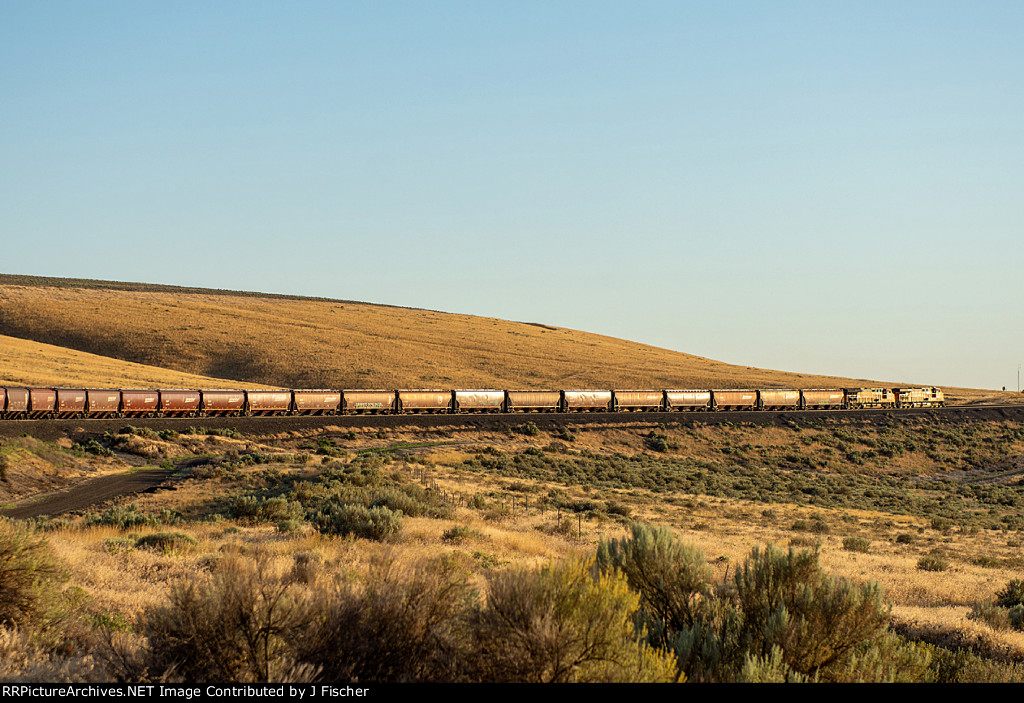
933	562
307	567
50	524
1012	594
656	441
498	513
670	575
124	517
411	500
562	624
30	579
217	432
1016	617
112	622
857	544
91	446
987	562
168	542
287	527
991	614
240	625
459	534
145	432
565	434
116	545
886	658
964	666
566	527
788	602
274	509
616	508
529	429
815	525
783	618
378	523
401	627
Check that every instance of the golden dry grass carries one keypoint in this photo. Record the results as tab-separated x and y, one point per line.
130	581
121	578
28	363
308	343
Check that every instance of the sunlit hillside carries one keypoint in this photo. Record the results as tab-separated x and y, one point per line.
303	342
28	363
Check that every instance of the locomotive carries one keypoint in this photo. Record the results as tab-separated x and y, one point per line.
73	403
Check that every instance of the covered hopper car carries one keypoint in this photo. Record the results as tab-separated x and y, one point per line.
45	403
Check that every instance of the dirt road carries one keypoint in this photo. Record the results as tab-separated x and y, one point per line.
90	494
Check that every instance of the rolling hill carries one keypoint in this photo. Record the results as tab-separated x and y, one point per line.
27	363
287	341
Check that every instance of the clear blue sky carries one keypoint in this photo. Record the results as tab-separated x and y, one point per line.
810	186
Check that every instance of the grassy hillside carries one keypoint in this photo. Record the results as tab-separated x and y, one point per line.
312	343
289	341
27	363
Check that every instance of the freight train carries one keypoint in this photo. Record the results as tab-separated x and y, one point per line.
71	403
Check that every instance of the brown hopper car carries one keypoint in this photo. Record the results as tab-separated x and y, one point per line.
223	402
687	400
489	401
587	401
638	401
377	402
777	399
70	402
425	401
734	400
41	402
185	403
268	402
534	401
139	403
823	399
17	401
317	402
102	403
